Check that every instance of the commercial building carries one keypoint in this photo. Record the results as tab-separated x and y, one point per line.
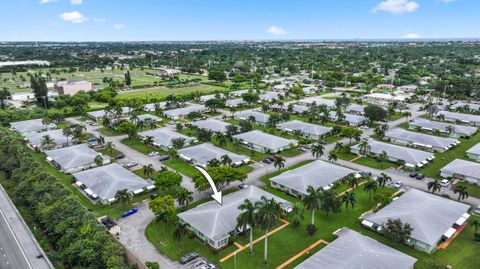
71	87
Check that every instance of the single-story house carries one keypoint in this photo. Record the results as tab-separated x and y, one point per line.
98	115
239	92
260	118
212	125
466	106
317	100
408	88
215	223
234	102
309	90
318	174
75	158
179	113
145	118
308	130
203	153
474	153
354	250
262	142
384	99
205	98
269	96
461	169
350	119
162	137
456	131
295	108
151	107
355	109
31	126
469	119
412	157
432	217
419	140
57	136
105	181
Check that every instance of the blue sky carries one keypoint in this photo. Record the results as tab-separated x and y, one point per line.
130	20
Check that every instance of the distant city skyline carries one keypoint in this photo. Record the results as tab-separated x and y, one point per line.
190	20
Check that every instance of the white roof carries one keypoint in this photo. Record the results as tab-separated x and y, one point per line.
306	128
205	152
269	96
56	135
475	149
429	215
212	125
471	106
316	174
318	100
215	221
234	102
353	250
106	180
164	136
442	126
74	156
29	126
350	118
151	107
174	113
459	116
265	140
424	139
259	117
462	167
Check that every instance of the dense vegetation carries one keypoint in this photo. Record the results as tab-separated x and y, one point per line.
77	238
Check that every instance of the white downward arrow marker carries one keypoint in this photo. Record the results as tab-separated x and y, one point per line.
217	195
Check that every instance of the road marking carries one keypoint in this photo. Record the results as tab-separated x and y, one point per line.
16	240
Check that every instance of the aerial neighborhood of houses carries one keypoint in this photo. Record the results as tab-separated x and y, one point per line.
310	173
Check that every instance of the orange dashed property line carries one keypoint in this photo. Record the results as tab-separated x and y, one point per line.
356	158
359	184
301	253
237	245
241	248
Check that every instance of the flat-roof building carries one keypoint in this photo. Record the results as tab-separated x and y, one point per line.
263	142
308	130
71	87
433	218
75	158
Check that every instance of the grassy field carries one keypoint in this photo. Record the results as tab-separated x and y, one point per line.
367	161
162	92
137	144
109	132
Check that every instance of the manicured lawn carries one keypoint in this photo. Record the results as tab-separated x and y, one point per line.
367	161
181	167
332	139
395	116
473	190
230	146
113	153
109	131
290	153
162	92
137	144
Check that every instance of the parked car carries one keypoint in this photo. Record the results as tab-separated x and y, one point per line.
420	176
164	158
153	196
243	186
131	164
302	149
445	182
120	156
188	257
398	184
267	161
153	153
366	174
476	211
413	174
271	158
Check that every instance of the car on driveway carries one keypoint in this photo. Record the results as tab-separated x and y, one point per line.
164	158
413	174
398	184
153	153
267	161
243	186
420	176
476	211
445	182
188	257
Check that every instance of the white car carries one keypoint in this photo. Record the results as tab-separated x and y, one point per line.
397	184
476	211
445	182
153	154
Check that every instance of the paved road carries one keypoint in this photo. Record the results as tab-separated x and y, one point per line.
18	247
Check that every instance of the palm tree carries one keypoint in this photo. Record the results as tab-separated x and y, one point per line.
221	139
267	213
349	199
383	178
332	156
279	162
47	142
163	217
247	220
476	225
382	157
352	181
225	160
184	197
123	197
153	124
148	170
462	191
109	146
134	118
172	153
313	200
364	148
407	115
98	160
140	124
149	140
101	140
370	187
317	150
181	230
434	185
67	132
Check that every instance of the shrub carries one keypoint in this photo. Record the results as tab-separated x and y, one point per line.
311	229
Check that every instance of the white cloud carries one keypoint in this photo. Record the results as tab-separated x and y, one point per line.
73	17
99	19
411	36
47	1
274	30
396	6
76	2
118	26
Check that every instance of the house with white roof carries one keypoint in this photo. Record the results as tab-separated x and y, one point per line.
474	153
473	120
258	117
75	158
419	140
453	130
461	169
203	153
263	142
212	125
31	126
58	138
183	112
308	130
163	137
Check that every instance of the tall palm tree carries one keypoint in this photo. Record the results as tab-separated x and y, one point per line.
317	150
226	160
101	140
4	94
184	197
67	132
267	213
221	139
148	170
313	200
434	185
349	199
181	230
163	217
352	181
149	140
383	178
47	142
332	156
364	148
370	187
98	160
123	197
462	191
247	220
152	124
279	162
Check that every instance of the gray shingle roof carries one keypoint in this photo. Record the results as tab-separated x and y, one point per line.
462	167
259	117
173	113
164	136
106	180
459	116
429	215
74	156
475	149
266	140
28	126
414	137
436	125
212	125
353	250
56	135
316	174
205	152
350	118
306	128
215	220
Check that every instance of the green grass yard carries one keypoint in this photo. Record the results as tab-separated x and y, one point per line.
137	144
367	161
109	132
162	92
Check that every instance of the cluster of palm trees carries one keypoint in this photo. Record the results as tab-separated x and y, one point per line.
460	189
262	214
76	131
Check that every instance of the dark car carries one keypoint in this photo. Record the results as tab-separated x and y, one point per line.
366	174
267	161
413	174
271	158
120	156
153	196
188	257
420	176
164	158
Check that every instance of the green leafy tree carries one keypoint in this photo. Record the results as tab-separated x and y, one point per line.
396	230
221	176
184	197
163	208
128	128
